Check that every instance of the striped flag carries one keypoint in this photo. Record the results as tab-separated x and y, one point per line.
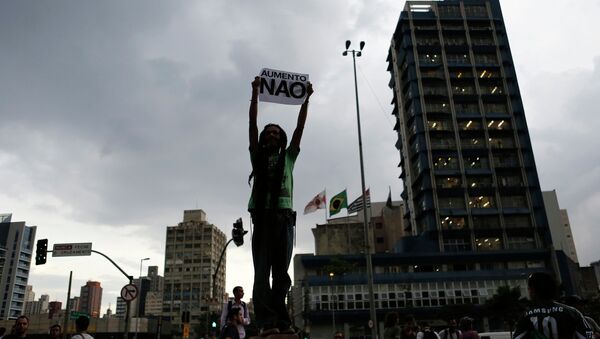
357	204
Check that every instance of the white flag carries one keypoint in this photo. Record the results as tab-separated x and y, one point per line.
317	203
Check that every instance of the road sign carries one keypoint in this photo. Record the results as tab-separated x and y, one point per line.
72	249
129	292
74	315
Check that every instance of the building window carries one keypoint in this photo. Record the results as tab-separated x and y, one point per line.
454	40
499	125
442	143
456	245
476	11
463	89
479	182
514	201
469	125
449	12
486	59
510	181
487	73
488	244
502	142
448	182
439	125
485	222
462	59
506	160
437	107
475	162
428	41
497	108
460	74
493	88
521	243
451	202
452	223
481	202
430	59
472	142
445	163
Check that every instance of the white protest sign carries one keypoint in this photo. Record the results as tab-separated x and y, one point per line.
282	87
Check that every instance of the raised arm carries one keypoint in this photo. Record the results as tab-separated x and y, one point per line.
301	119
253	113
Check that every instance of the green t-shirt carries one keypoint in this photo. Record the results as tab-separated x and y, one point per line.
286	194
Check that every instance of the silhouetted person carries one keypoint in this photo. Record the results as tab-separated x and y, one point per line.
272	214
547	317
81	326
19	328
391	326
55	332
466	328
238	294
234	319
450	332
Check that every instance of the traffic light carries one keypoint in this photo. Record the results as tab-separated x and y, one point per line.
213	325
237	233
41	251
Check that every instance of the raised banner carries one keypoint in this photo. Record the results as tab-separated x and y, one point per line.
282	87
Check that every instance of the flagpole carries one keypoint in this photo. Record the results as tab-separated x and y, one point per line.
326	205
373	315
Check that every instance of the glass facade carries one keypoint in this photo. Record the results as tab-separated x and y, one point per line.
461	125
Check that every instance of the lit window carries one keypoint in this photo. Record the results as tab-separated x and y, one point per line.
488	244
481	202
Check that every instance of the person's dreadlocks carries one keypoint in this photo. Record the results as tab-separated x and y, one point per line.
262	184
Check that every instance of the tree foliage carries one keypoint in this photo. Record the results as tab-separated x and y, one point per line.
507	305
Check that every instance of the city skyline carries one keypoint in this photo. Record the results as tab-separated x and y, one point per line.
113	146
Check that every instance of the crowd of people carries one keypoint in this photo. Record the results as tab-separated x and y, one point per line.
455	329
21	327
544	319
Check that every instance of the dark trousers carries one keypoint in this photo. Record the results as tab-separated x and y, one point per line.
272	243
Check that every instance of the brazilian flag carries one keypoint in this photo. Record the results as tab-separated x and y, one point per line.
338	202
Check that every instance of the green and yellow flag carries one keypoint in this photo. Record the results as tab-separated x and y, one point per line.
338	202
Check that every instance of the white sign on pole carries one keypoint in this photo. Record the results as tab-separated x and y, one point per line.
72	249
282	87
129	292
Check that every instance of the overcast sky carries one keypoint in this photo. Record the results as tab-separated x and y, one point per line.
115	116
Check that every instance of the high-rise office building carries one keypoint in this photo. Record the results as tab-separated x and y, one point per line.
473	207
39	306
560	226
16	246
54	309
121	308
469	175
192	252
74	304
90	299
156	281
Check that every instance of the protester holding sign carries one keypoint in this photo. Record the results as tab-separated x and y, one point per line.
271	210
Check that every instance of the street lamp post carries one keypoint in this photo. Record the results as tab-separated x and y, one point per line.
331	274
139	299
373	315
